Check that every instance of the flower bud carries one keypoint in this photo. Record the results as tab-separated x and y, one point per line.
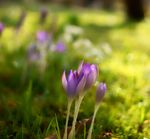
101	90
74	83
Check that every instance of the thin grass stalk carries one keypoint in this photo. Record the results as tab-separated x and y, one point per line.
92	124
77	107
67	118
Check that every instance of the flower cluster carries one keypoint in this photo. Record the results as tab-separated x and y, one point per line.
75	85
80	80
38	51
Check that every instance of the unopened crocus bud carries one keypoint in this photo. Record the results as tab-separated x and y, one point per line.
60	47
42	36
74	83
1	27
101	90
91	73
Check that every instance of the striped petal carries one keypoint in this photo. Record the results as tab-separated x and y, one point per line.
81	84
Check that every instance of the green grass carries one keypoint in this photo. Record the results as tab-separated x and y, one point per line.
33	104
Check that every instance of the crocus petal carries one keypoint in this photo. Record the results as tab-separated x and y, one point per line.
71	86
86	68
94	67
81	84
94	70
91	78
64	80
80	67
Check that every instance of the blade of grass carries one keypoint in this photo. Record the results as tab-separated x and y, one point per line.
57	128
84	130
49	125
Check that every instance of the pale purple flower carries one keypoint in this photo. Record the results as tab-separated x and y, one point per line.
33	53
101	90
91	73
60	47
1	27
74	83
42	36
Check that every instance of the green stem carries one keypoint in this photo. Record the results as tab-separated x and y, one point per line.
92	124
67	118
77	107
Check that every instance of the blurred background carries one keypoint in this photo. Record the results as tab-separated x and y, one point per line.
39	39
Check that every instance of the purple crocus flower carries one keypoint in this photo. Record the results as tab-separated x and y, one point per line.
74	83
42	36
60	47
1	27
101	90
32	53
91	73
